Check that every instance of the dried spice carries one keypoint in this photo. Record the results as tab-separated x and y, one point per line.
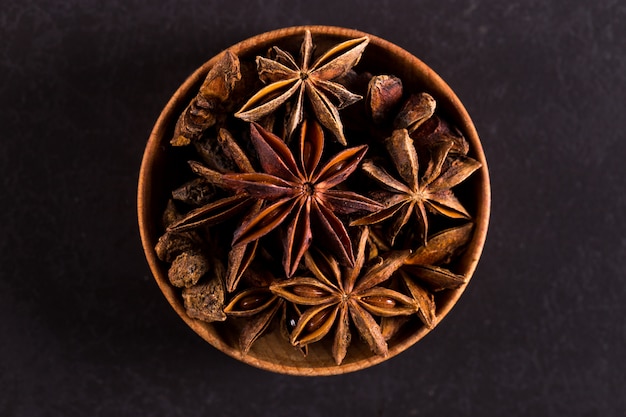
259	306
384	93
435	132
285	78
195	193
415	111
442	247
215	212
290	220
205	301
214	93
301	193
170	245
336	296
187	269
418	191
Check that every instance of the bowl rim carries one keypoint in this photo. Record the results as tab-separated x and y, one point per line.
155	142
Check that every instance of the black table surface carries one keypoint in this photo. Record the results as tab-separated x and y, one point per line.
84	329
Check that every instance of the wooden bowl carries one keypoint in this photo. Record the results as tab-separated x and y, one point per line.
271	352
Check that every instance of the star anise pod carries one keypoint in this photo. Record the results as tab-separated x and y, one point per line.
259	306
417	109
422	278
423	264
384	92
442	247
336	296
286	78
300	192
416	192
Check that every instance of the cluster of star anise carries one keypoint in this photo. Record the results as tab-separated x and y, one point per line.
323	220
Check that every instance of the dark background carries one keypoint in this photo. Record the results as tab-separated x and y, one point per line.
85	331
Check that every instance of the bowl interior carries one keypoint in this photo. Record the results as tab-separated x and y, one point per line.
158	176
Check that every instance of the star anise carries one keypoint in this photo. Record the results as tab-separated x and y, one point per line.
336	296
285	78
301	191
417	192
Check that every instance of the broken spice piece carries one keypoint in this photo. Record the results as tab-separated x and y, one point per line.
214	93
205	301
415	111
384	93
187	269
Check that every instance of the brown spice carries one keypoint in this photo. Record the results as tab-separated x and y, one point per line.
360	242
316	81
187	269
205	301
384	93
201	113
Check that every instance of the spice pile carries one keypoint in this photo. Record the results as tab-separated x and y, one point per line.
320	200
